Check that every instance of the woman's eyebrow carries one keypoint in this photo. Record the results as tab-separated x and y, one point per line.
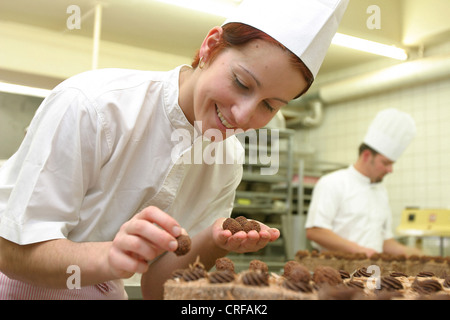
251	74
281	100
258	83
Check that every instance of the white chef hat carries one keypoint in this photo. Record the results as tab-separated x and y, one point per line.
390	133
305	27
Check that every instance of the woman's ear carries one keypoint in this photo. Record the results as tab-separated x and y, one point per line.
210	42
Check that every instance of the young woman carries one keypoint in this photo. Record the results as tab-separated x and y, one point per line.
100	184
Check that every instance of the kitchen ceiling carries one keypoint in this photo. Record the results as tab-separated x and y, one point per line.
157	26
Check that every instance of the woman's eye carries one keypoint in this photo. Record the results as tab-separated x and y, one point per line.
240	84
268	106
244	87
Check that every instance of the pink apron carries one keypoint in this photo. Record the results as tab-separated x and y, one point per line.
18	290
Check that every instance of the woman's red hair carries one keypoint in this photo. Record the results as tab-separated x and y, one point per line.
236	34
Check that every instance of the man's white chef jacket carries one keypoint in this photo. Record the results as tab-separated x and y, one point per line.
100	149
346	202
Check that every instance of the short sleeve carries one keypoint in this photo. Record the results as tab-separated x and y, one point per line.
42	187
324	204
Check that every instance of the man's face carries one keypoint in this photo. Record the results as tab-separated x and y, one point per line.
379	166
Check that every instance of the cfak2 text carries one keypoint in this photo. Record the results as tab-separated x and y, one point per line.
230	309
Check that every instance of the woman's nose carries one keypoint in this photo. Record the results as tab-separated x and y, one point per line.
243	112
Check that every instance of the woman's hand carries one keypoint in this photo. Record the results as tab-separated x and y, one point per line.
144	237
241	241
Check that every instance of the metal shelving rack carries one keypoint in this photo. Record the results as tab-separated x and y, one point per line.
260	197
308	173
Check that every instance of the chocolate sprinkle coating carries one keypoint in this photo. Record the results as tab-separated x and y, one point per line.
252	225
224	263
258	265
289	266
241	223
184	245
232	225
327	275
296	272
241	220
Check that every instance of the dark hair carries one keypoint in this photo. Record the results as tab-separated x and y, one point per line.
236	34
363	147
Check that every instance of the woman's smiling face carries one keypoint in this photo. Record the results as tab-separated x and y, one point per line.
243	88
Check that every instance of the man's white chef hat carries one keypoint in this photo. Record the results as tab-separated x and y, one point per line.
305	27
390	133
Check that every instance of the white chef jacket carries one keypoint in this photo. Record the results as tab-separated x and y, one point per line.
346	202
100	148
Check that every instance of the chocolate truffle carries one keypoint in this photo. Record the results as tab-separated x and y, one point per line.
296	272
224	264
258	265
232	225
184	245
242	220
327	275
252	225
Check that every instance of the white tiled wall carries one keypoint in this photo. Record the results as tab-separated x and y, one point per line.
422	175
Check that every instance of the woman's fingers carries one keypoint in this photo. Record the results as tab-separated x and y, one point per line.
125	264
148	234
162	219
144	237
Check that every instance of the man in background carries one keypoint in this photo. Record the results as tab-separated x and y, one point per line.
350	211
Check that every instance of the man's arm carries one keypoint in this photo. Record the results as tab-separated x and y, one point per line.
394	247
329	240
